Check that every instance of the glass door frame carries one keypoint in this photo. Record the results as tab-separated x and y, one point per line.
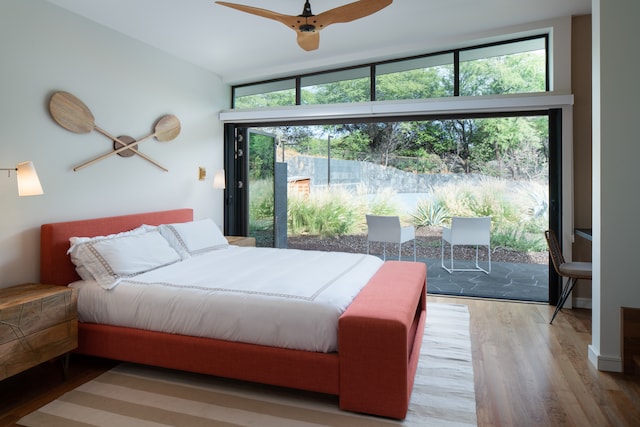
236	209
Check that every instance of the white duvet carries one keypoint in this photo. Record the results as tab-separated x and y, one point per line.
278	297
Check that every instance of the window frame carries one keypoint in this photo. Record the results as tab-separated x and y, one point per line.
320	75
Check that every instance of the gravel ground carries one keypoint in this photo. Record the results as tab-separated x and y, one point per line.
427	246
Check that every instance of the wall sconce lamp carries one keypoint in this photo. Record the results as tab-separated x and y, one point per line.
28	182
219	180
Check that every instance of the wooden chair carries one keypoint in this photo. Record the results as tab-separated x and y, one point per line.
571	270
387	229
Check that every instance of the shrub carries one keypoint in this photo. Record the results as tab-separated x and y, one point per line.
324	213
382	203
513	236
260	200
430	212
519	212
333	211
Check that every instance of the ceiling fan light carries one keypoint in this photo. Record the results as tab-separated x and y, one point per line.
308	32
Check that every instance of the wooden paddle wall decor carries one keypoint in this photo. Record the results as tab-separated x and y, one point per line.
73	115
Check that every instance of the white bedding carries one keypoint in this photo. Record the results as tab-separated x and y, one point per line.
277	297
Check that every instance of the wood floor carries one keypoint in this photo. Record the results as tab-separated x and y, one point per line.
527	372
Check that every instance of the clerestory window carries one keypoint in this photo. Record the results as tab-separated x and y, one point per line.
509	67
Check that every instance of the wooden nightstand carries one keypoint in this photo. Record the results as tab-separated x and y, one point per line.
37	323
241	240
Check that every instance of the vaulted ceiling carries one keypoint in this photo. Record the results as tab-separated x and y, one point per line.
241	47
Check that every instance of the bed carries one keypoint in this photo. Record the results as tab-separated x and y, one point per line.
379	334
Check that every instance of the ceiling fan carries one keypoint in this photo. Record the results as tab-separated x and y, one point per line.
307	25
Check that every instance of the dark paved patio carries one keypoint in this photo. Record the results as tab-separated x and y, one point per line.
523	282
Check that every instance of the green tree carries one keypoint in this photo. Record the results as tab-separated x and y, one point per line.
261	160
344	91
519	73
433	82
506	147
269	99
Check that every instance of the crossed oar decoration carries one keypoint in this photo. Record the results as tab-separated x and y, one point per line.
73	115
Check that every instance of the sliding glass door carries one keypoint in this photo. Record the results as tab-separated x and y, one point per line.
414	157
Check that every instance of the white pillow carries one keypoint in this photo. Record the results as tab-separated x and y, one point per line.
195	237
75	241
111	259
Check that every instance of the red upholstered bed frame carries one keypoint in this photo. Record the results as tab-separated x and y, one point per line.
379	335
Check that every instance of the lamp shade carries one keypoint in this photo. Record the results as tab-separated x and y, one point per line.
28	182
219	180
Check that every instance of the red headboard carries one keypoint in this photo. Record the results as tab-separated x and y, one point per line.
55	265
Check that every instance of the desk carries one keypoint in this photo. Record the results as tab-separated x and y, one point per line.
585	233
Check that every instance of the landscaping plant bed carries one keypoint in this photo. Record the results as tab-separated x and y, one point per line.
427	246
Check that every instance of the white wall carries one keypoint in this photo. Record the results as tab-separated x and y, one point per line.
127	85
616	150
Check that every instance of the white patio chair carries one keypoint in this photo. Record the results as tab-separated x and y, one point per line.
467	232
387	229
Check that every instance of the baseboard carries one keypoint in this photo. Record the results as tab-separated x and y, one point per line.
582	303
605	363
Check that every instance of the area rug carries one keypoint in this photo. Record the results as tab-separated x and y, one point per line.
131	395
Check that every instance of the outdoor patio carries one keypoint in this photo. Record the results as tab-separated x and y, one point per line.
512	281
514	276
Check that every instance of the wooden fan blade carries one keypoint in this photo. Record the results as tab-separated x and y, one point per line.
308	41
290	21
349	12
